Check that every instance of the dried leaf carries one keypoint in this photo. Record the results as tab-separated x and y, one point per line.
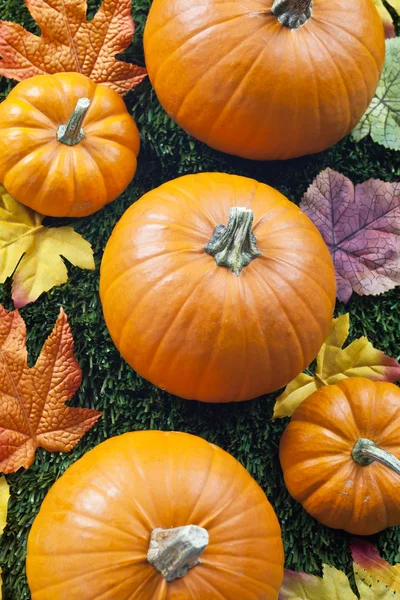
4	497
375	579
32	401
382	119
41	268
361	227
69	42
334	363
386	17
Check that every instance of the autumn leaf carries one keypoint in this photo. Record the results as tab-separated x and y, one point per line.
375	579
361	227
4	497
32	400
382	119
41	268
385	16
70	42
334	363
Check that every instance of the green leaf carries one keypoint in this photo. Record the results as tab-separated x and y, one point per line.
382	119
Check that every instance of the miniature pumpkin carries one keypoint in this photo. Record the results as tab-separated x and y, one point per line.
265	79
340	455
153	515
67	145
205	303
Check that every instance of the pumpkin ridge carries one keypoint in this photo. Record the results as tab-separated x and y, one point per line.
215	65
129	271
272	263
147	293
314	86
207	523
191	518
216	344
277	259
192	36
340	79
362	44
348	54
228	104
296	337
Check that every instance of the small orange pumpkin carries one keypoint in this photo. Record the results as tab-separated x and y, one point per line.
68	146
152	515
340	455
265	79
205	304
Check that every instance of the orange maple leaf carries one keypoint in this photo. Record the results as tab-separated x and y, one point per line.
70	42
32	401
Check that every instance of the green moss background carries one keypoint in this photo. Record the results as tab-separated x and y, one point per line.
129	402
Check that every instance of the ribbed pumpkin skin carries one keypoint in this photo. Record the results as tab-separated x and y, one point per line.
55	179
229	74
315	454
196	329
91	536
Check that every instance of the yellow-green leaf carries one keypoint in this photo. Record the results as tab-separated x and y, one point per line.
375	579
41	268
334	363
386	17
4	497
382	118
334	585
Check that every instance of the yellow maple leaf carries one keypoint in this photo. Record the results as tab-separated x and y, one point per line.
41	268
386	17
4	496
375	579
334	363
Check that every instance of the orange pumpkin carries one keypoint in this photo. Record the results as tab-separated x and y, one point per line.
155	516
67	145
340	455
265	79
206	304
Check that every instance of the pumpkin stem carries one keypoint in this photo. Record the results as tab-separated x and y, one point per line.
72	133
365	452
234	246
173	552
292	13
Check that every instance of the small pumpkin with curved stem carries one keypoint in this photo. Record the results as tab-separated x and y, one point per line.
68	146
217	288
155	515
340	455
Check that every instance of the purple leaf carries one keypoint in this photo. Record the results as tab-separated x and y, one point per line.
361	227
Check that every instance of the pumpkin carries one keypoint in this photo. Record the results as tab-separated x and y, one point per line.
155	515
216	288
67	145
340	455
265	79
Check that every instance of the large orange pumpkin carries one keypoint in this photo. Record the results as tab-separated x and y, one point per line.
265	79
67	145
340	455
132	518
208	304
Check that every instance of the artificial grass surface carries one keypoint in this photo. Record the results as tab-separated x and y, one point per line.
128	402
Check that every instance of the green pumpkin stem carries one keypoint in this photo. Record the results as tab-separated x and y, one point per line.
234	246
72	133
365	452
173	552
292	13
